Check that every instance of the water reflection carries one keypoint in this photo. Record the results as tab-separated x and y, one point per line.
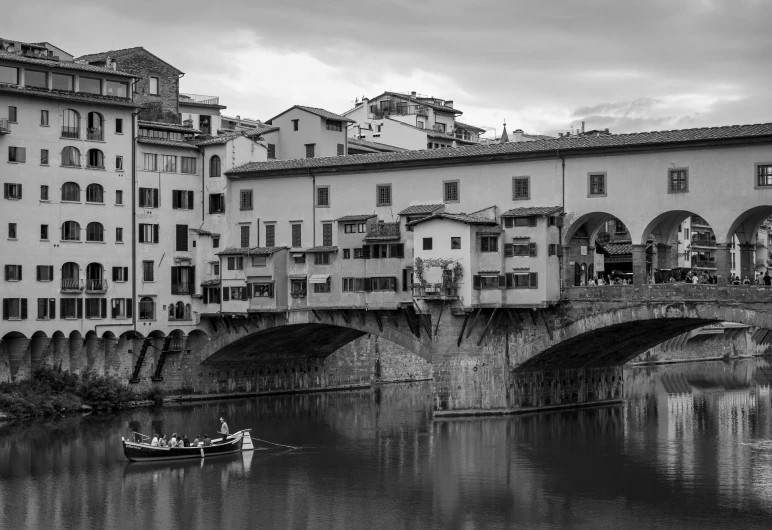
691	447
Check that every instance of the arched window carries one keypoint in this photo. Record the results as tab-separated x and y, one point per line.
95	159
70	192
146	308
70	124
179	311
95	280
214	166
95	232
94	193
70	276
95	129
70	231
71	157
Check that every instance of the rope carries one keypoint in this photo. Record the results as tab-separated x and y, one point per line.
272	443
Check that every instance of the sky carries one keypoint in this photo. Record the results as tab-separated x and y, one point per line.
540	65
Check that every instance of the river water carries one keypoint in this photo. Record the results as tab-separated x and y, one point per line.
690	448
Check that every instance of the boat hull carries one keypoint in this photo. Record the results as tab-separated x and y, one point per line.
147	453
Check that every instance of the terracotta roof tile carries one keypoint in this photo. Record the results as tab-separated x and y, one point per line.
202	232
210	282
377	146
321	249
418	209
616	249
420	101
101	56
354	149
469	127
532	211
459	217
166	142
360	217
265	251
167	126
64	65
326	114
493	229
383	232
70	96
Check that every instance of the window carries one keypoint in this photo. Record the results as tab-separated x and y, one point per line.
619	227
94	193
44	157
95	232
182	280
120	274
271	151
44	193
146	308
216	268
188	165
677	180
70	192
522	248
17	154
216	203
45	273
33	78
322	287
421	125
71	309
450	190
235	263
359	253
262	290
296	236
350	228
96	159
597	184
346	253
525	221
9	75
119	235
12	114
71	157
148	233
70	231
238	293
148	197
427	243
211	295
763	175
147	271
321	258
310	150
270	235
245	200
14	308
154	85
13	273
46	308
327	234
295	124
362	228
90	85
377	251
151	161
11	230
259	261
12	191
118	197
244	236
118	125
334	125
341	150
44	118
455	243
521	188
96	307
62	82
527	280
121	308
323	196
215	242
181	239
552	250
383	284
168	164
348	285
383	195
489	244
214	166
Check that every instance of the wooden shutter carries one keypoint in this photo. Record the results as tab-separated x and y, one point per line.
366	252
80	308
103	307
175	279
510	280
190	200
115	273
42	306
532	249
191	280
51	272
125	274
7	272
476	283
155	197
404	279
23	305
6	303
18	270
141	233
533	280
394	283
37	271
52	308
114	305
532	221
19	190
175	199
270	290
226	294
155	234
182	238
129	307
509	250
502	281
368	284
5	190
206	295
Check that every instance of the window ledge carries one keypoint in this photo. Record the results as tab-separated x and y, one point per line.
119	242
71	318
97	242
116	204
97	141
12	199
13	239
44	240
45	165
69	241
73	167
12	280
95	168
44	200
46	125
69	202
96	203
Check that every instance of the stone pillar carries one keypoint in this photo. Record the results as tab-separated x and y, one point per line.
723	262
747	260
639	264
664	259
568	269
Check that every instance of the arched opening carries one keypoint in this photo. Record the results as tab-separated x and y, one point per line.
70	125
179	311
749	241
70	277
95	159
95	232
95	280
12	348
70	231
146	308
71	157
95	129
95	193
601	250
214	166
70	192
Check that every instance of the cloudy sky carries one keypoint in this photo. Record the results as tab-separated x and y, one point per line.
542	65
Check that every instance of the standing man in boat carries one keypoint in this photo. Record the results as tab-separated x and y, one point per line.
224	429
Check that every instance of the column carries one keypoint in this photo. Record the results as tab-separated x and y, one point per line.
567	279
664	258
639	264
747	260
723	262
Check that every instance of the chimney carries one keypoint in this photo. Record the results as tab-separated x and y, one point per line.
607	131
582	126
518	135
449	103
560	135
413	93
112	64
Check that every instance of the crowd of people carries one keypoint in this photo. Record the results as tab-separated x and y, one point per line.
160	440
689	277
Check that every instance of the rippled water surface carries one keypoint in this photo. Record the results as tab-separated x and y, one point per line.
691	448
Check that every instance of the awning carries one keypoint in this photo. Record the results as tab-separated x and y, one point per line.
318	278
297	254
522	238
521	269
296	276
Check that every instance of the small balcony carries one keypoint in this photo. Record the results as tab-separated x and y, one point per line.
96	286
199	98
704	263
72	285
434	291
71	132
5	126
298	294
96	135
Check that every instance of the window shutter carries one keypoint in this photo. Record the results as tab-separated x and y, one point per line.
88	310
125	274
129	307
226	294
20	191
366	252
476	283
404	279
533	280
401	250
270	290
18	268
115	273
80	308
510	280
141	233
42	306
155	234
6	303
114	305
51	272
103	304
368	284
175	199
502	281
190	200
191	280
206	295
532	221
52	308
532	249
37	270
21	156
175	276
23	304
7	272
509	250
155	197
5	190
394	283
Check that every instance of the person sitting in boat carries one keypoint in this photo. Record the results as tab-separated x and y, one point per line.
207	441
185	441
173	441
224	429
154	443
197	440
162	442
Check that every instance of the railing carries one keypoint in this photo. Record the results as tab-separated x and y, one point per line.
298	294
72	284
710	264
428	290
198	98
5	126
704	241
699	221
71	132
400	110
96	286
176	344
95	134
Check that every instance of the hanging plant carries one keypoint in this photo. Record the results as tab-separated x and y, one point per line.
418	269
445	264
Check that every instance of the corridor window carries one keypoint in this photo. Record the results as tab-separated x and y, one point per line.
383	195
216	203
14	308
169	163
597	184
150	161
188	165
327	234
296	236
270	235
451	191
245	202
321	258
763	175
678	180
323	196
235	263
521	188
489	244
147	271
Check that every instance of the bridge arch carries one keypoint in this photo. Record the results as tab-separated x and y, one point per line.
747	224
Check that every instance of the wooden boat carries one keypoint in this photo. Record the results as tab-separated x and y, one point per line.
144	452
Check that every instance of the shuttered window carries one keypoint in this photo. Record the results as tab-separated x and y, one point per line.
327	234
270	235
45	273
245	202
188	165
182	238
17	154
296	236
244	236
148	197
182	199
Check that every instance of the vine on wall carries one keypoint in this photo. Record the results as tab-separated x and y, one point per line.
453	265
